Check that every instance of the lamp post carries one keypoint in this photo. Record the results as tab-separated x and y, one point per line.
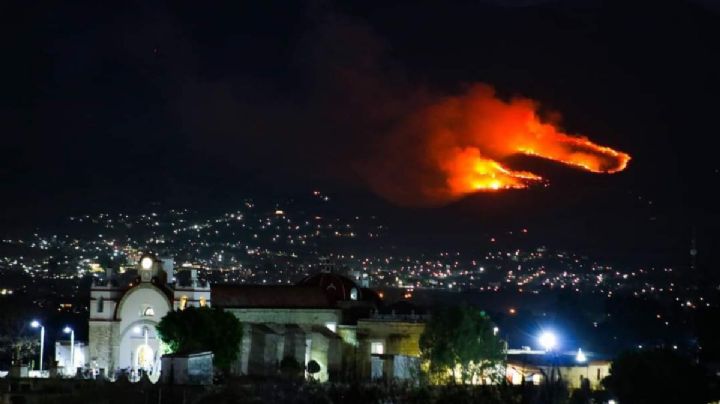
68	330
548	340
582	358
36	324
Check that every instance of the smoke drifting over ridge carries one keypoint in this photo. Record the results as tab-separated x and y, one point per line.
456	145
361	119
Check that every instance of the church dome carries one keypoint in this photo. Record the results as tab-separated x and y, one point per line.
336	286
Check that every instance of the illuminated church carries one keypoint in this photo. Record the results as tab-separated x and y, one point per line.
123	317
326	318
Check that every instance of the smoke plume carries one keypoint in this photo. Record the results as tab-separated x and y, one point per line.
458	145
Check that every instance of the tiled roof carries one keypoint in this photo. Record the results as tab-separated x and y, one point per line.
270	296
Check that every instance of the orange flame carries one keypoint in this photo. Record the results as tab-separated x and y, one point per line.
460	143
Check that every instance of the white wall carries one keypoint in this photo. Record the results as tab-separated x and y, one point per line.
132	322
62	356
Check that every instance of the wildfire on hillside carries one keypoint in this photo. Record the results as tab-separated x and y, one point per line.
458	145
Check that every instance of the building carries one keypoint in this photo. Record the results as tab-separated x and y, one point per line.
392	337
326	318
70	359
123	315
535	367
187	368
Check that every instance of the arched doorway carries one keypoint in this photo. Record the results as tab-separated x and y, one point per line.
144	339
145	357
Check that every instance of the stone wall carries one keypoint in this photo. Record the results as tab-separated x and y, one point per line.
103	345
400	338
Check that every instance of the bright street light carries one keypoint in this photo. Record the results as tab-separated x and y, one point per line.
580	357
547	340
36	324
68	330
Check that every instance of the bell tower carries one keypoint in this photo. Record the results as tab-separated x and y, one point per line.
148	268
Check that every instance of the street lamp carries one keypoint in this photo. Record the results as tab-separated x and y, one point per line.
580	357
36	324
68	330
548	341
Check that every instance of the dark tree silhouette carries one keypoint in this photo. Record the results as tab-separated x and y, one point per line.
657	376
199	329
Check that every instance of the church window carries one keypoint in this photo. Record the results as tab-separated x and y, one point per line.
148	311
100	305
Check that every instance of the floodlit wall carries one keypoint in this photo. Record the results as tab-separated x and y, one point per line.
103	344
594	372
381	342
287	316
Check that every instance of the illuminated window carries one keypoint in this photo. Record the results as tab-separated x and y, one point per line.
202	302
353	294
536	379
183	302
377	348
100	305
148	312
331	326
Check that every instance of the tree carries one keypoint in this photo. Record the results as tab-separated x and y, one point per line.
708	334
18	342
657	376
202	329
291	368
460	338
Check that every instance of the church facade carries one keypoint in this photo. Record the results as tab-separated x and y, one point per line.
123	316
326	318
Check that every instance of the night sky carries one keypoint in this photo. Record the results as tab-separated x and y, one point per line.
196	104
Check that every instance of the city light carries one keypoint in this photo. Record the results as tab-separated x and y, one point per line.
68	330
547	340
580	357
36	324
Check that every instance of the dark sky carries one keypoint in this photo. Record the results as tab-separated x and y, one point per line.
194	103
